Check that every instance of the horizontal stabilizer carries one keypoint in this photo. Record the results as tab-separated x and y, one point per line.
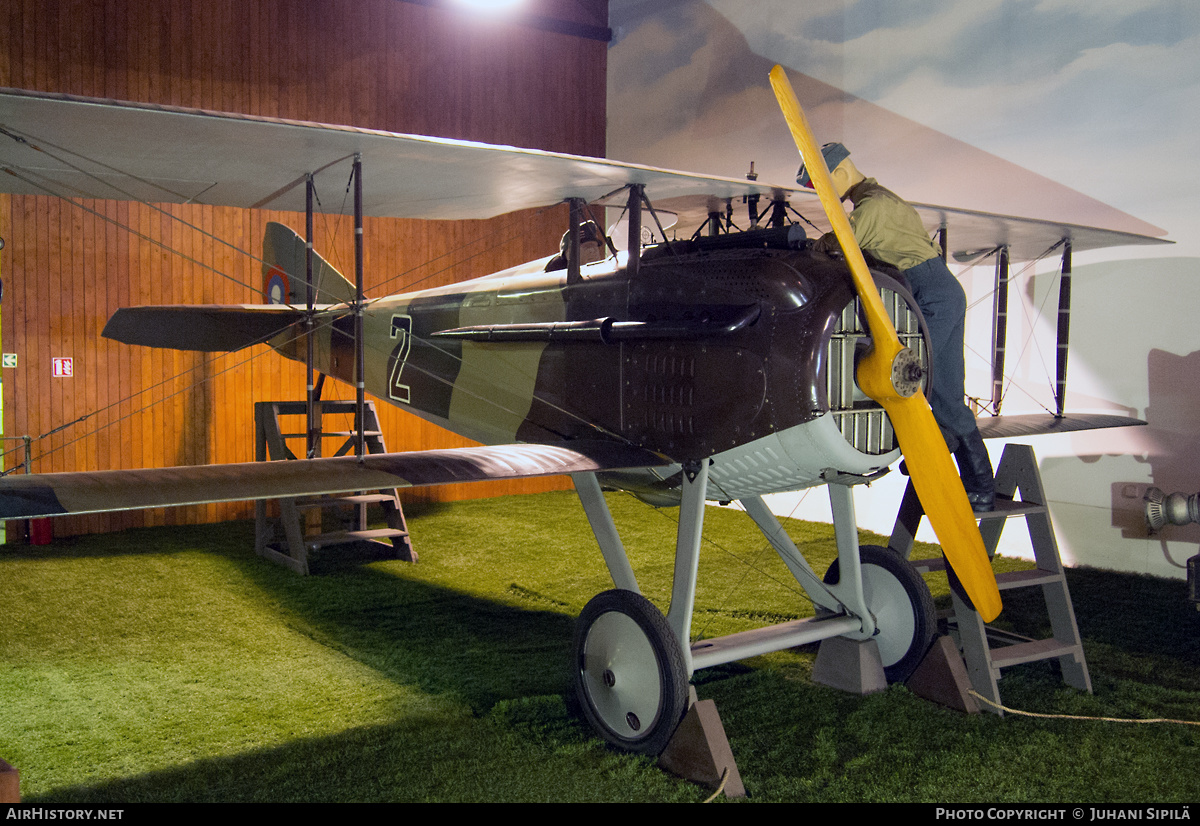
56	494
212	328
1038	424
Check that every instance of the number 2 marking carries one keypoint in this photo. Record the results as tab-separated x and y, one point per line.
402	332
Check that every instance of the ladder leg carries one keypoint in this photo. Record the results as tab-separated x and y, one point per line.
1046	553
263	531
977	653
904	534
300	520
393	511
289	515
1019	493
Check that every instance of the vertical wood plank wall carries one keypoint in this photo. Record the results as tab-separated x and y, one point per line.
384	64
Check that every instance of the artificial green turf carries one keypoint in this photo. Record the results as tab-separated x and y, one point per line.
173	664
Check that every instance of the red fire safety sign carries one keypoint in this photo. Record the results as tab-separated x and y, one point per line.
62	368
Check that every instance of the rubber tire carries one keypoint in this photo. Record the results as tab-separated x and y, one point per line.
629	676
902	605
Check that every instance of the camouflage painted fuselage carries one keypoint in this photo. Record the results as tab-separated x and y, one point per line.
665	360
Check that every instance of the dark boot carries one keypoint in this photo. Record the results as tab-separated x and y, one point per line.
976	470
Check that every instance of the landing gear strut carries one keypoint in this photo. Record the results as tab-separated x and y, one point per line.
902	606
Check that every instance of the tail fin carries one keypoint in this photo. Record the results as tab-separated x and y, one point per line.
284	272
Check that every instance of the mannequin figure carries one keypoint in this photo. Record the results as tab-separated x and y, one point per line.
890	230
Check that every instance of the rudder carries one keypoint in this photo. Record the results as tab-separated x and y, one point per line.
284	271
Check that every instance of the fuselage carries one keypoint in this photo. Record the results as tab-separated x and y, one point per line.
708	352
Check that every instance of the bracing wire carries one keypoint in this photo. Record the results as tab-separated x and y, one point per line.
508	230
754	566
751	565
1029	339
1010	382
32	179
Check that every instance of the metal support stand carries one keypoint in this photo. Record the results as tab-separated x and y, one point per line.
284	539
1017	474
360	301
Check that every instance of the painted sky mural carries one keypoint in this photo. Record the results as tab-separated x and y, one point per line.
1082	111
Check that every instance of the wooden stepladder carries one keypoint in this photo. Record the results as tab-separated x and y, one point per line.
987	650
287	539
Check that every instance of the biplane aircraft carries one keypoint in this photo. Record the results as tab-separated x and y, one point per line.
717	367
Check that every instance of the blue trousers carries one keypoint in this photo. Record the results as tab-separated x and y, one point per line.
944	305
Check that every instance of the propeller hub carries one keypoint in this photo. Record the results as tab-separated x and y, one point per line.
907	372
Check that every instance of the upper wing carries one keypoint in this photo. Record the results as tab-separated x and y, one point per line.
83	147
969	233
56	494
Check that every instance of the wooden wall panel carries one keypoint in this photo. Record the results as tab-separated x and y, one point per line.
388	64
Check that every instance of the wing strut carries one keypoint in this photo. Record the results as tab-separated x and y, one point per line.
886	376
999	329
1064	330
576	208
636	193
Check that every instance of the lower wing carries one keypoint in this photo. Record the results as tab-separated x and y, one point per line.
56	494
1038	424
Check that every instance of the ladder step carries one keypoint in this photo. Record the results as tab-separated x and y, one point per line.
987	649
1027	652
930	565
327	407
1006	508
1004	581
330	434
321	540
282	538
354	499
1026	579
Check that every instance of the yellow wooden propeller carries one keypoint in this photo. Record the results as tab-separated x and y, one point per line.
885	374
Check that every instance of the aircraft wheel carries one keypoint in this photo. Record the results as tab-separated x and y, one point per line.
630	677
902	605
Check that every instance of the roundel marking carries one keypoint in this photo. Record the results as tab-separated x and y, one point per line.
276	288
